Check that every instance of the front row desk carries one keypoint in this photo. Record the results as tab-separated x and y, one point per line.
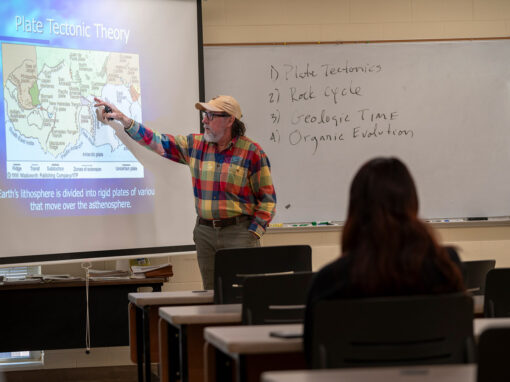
230	353
195	343
242	353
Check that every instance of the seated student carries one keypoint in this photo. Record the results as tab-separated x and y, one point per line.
386	249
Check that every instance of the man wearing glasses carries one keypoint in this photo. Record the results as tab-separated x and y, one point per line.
234	195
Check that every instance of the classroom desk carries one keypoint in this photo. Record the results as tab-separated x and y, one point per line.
52	315
143	334
254	351
481	324
478	301
242	353
439	373
181	335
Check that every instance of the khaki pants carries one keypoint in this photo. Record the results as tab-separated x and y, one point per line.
208	240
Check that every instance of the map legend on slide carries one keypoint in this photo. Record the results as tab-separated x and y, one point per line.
51	125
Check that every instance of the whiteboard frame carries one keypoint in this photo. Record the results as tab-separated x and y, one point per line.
492	221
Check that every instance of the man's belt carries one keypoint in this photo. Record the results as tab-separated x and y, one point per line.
220	223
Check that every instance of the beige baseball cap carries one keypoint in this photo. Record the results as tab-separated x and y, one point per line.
219	103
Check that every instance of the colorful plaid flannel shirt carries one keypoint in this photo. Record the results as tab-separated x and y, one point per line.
229	183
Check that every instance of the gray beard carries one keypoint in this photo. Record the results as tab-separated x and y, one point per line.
209	137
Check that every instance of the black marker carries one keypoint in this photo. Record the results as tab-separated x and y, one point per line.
476	218
108	109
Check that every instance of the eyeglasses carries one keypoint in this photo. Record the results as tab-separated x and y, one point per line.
210	115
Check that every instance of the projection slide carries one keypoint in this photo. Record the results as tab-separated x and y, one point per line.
68	182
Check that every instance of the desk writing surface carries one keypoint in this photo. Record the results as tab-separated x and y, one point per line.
481	324
254	339
171	298
439	373
202	314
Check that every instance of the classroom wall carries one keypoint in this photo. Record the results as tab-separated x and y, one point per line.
245	21
248	21
263	21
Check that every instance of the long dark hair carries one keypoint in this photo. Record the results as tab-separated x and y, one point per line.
238	128
388	245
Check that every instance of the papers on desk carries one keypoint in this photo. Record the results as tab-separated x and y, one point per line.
105	275
108	278
61	278
143	271
20	280
39	278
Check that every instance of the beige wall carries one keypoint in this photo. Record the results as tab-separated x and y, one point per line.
249	21
243	21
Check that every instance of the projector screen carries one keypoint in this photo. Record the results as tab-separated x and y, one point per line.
71	186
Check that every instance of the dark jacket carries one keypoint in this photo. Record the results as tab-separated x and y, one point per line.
333	282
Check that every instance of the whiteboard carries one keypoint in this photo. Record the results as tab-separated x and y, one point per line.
321	111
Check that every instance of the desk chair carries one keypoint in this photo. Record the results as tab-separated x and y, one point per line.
497	293
475	273
493	356
392	331
232	265
275	299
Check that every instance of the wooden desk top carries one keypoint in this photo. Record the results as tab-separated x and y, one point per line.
481	324
439	373
254	339
81	283
207	297
171	298
202	314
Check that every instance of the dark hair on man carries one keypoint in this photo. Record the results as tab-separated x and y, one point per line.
238	128
389	246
